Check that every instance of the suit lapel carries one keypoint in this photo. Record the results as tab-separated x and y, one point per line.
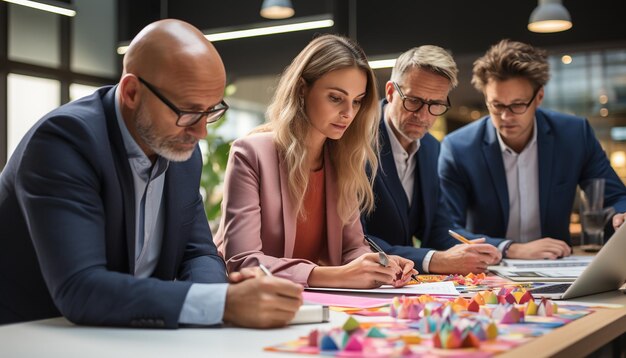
124	176
493	159
388	174
545	154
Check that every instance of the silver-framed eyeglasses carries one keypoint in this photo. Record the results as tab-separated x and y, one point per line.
414	104
189	118
515	108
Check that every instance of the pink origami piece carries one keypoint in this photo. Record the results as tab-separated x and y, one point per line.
546	308
354	344
507	314
509	298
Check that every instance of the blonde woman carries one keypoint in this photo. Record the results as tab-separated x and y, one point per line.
294	188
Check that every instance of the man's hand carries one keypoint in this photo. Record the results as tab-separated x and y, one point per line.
545	248
261	302
618	220
464	259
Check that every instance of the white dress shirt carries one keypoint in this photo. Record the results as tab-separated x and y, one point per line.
405	162
522	179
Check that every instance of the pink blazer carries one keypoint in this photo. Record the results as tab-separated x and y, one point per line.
259	221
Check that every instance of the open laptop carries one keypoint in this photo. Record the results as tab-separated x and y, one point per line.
607	272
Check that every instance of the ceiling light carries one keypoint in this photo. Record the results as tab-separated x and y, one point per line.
277	9
56	7
269	30
566	59
549	16
305	23
604	112
386	63
603	99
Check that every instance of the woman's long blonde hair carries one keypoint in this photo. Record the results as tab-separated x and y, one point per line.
349	155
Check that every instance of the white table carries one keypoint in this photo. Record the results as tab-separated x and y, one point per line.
59	338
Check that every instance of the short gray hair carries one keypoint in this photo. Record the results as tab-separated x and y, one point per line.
428	57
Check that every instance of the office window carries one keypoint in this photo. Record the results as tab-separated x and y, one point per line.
77	91
29	98
93	38
34	36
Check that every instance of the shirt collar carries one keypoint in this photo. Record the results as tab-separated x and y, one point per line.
396	146
506	148
137	158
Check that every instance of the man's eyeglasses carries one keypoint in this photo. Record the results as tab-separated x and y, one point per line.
515	108
189	118
414	104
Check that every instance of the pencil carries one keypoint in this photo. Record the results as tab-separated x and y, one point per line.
459	237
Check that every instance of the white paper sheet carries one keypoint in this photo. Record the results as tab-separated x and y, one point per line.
431	288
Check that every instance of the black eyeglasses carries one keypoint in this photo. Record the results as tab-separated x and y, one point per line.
414	104
189	118
515	108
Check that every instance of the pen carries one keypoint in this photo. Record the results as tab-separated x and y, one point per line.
265	270
459	237
383	260
306	313
382	254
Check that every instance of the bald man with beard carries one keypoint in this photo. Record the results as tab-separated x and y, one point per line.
102	221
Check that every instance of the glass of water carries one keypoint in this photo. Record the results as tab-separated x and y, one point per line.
593	215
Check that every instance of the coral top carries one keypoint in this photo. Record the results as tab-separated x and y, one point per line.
311	230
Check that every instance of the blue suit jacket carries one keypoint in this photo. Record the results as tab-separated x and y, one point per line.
67	238
393	222
474	185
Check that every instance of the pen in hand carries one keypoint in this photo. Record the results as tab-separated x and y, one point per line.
383	259
306	313
459	237
265	270
464	240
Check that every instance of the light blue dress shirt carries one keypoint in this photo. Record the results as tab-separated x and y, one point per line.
204	303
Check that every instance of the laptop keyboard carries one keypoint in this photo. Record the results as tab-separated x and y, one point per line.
558	288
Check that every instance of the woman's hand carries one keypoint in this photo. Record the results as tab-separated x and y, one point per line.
366	271
406	270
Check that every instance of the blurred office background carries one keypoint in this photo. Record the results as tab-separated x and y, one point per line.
47	59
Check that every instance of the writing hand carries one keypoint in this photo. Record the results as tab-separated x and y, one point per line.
262	302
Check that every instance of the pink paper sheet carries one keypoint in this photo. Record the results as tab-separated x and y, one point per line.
330	299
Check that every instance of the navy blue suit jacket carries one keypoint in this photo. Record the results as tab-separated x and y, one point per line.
474	185
394	223
67	239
